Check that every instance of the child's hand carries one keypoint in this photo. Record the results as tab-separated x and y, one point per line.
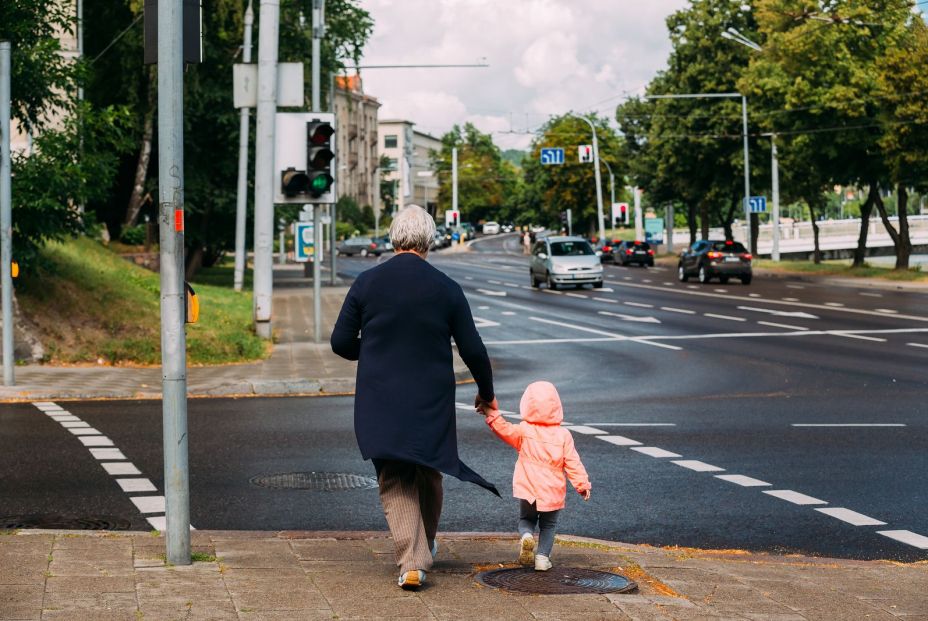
585	495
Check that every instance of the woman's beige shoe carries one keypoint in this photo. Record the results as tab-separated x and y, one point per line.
527	549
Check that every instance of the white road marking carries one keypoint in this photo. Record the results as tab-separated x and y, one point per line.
639	304
743	481
468	278
664	345
553	291
645	280
120	468
654	451
606	300
607	289
84	431
698	466
795	287
667	283
148	504
851	517
136	485
835	304
480	322
871	295
74	424
584	429
790	299
619	440
626	277
483	307
917	345
159	522
770	311
726	317
721	290
682	311
725	335
95	441
576	295
501	294
794	497
753	295
632	424
887	310
692	287
855	336
44	404
494	282
781	325
526	287
65	417
631	317
907	536
848	425
107	453
617	337
508	313
512	284
603	339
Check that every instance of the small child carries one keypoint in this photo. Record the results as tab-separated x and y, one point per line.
546	451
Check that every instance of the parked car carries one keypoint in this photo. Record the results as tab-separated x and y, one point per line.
361	246
708	259
561	260
606	249
467	230
508	227
628	252
491	228
383	244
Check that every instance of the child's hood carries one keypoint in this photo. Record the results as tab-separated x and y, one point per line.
541	404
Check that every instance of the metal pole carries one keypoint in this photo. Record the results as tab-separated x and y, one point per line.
454	178
333	252
599	187
317	51
747	171
6	216
570	222
639	221
775	176
264	166
238	278
317	274
171	220
281	240
670	228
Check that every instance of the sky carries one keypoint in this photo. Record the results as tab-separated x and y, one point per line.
545	57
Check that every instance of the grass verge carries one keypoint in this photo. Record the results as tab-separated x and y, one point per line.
90	305
841	270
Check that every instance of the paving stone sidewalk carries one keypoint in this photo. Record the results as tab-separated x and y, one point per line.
112	576
297	365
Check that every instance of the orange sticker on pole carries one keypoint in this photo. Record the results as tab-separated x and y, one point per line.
179	220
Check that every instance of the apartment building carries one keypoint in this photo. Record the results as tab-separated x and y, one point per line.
408	152
356	152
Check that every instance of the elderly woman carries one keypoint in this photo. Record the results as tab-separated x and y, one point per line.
397	321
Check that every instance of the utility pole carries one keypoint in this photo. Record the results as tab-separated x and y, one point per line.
318	251
599	187
670	227
173	291
748	217
6	216
241	207
264	166
639	220
775	214
454	178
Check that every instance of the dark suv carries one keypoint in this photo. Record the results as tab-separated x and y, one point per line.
633	252
708	259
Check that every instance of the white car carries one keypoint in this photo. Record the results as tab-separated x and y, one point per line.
491	228
568	261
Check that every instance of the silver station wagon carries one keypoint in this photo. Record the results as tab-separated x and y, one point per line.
565	261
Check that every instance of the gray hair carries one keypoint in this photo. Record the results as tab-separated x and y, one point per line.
412	229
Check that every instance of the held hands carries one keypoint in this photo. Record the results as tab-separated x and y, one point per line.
585	495
483	407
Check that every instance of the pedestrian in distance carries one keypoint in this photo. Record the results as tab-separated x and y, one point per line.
397	321
546	452
527	243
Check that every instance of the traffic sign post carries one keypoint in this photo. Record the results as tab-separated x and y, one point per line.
757	204
551	156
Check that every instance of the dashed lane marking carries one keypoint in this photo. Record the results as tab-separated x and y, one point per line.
632	424
638	304
790	299
726	317
494	282
855	336
512	284
631	317
834	304
645	280
692	287
553	291
468	278
483	307
795	287
619	440
917	345
607	289
781	325
654	451
577	295
888	311
753	295
721	290
794	497
617	337
870	295
501	294
508	313
667	283
847	425
586	430
743	481
682	311
626	277
698	466
851	517
907	536
606	300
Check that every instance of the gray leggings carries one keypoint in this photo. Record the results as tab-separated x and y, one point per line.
529	516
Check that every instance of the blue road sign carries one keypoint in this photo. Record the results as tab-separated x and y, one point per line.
304	241
757	204
552	156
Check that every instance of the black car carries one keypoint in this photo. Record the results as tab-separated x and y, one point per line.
605	248
708	259
628	252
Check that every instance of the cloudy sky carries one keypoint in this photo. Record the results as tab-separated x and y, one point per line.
546	57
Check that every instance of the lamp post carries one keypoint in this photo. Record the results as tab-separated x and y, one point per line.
599	187
611	192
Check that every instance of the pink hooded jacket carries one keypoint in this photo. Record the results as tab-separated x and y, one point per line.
546	450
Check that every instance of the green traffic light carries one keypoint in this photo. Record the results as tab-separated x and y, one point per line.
319	183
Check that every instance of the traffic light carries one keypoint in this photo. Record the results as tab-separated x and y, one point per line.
320	155
564	217
305	157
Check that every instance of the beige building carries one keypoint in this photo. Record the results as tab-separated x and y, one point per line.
408	154
356	152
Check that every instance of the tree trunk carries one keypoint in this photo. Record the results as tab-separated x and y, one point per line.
194	262
691	221
904	250
898	243
704	219
754	228
137	199
729	218
860	253
817	251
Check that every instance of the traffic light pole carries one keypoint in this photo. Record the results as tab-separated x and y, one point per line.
599	186
238	278
6	215
264	166
173	292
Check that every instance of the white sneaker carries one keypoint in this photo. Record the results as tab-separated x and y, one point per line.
526	549
542	562
434	548
412	579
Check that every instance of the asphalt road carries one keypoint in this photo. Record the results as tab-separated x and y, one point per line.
812	394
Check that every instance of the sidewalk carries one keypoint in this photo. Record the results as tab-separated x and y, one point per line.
305	575
297	365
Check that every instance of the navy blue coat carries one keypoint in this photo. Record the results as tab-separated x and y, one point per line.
397	321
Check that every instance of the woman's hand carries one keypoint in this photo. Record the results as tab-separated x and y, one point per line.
482	406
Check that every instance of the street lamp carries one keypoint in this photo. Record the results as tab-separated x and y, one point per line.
611	190
599	188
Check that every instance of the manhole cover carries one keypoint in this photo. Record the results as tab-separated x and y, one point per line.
557	581
315	481
59	522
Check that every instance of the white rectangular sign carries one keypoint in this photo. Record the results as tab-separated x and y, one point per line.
586	153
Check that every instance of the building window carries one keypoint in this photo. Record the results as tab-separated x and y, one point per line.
392	163
389	141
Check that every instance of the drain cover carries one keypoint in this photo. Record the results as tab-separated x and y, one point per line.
557	581
97	522
315	481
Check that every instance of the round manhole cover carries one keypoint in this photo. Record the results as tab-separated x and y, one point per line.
315	481
557	581
59	522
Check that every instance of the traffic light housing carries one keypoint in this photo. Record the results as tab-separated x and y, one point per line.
305	157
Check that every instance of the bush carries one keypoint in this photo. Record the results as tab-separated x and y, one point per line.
133	235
